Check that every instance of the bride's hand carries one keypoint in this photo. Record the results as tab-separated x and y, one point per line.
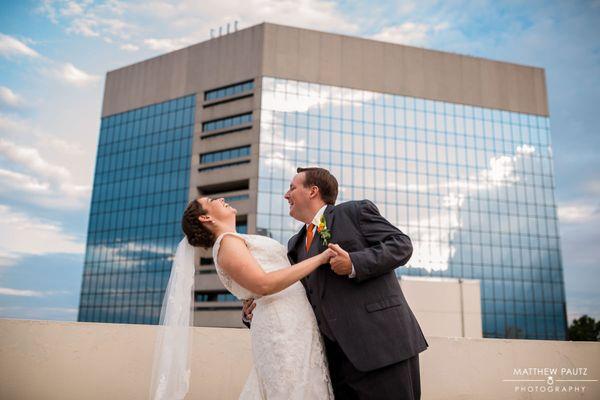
326	255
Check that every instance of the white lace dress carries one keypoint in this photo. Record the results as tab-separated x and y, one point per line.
287	348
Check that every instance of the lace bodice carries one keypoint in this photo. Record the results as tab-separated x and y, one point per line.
287	349
269	253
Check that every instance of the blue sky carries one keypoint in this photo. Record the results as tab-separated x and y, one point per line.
54	56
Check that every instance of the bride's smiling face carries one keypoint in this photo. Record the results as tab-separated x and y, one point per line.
217	209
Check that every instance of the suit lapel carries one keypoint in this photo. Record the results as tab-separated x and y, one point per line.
299	239
293	251
293	243
323	272
328	213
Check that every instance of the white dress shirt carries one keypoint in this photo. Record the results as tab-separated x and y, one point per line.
315	222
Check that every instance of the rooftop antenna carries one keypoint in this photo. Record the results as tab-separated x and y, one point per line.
220	30
228	28
212	33
235	26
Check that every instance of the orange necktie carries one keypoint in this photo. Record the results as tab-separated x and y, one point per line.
309	235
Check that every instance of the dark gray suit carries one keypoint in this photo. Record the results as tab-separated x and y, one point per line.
368	327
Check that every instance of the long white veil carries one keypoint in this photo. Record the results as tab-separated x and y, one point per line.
171	368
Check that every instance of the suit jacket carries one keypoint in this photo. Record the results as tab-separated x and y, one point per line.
367	315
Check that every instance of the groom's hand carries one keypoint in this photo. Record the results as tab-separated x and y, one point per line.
340	262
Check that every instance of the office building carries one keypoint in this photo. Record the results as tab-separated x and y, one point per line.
454	150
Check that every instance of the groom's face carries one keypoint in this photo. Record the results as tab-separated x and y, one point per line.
298	197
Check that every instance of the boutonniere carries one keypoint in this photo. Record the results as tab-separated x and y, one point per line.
323	231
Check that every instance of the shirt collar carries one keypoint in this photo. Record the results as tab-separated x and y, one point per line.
318	215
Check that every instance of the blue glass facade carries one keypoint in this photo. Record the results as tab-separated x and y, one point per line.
140	190
473	188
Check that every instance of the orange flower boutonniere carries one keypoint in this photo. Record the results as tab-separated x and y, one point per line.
323	231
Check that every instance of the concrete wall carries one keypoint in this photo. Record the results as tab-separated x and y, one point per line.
217	62
444	306
70	360
332	59
358	63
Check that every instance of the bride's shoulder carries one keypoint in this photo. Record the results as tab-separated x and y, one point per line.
228	246
219	239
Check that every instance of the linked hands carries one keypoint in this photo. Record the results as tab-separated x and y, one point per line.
326	256
340	262
248	307
334	255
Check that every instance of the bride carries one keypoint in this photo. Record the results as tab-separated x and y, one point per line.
287	348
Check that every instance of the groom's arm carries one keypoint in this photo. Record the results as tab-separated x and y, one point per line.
388	248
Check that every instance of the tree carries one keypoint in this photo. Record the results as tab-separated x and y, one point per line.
584	329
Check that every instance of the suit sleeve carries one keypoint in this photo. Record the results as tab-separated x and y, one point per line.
388	248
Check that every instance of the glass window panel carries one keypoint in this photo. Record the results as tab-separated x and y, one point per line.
446	167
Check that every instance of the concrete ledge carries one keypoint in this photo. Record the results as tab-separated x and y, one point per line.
75	360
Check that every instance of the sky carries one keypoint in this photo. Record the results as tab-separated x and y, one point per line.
54	56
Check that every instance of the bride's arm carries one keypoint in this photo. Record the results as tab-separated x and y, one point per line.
235	258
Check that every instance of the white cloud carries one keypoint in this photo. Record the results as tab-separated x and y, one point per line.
4	291
46	7
37	312
66	72
575	213
84	27
67	147
168	44
126	255
129	47
411	33
433	238
89	19
8	259
12	179
13	126
10	98
70	74
25	235
525	149
501	171
317	14
10	124
187	17
30	159
163	25
45	183
11	46
72	8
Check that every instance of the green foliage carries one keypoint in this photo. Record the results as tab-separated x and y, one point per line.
584	329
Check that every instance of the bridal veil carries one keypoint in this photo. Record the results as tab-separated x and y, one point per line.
171	368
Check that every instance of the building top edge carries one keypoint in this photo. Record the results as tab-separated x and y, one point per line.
354	37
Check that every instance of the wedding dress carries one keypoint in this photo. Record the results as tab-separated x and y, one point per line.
287	348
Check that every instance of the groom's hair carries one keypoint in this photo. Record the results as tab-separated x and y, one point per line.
324	180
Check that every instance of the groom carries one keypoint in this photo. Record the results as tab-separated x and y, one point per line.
371	336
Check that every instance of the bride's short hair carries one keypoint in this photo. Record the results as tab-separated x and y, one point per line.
324	180
197	234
